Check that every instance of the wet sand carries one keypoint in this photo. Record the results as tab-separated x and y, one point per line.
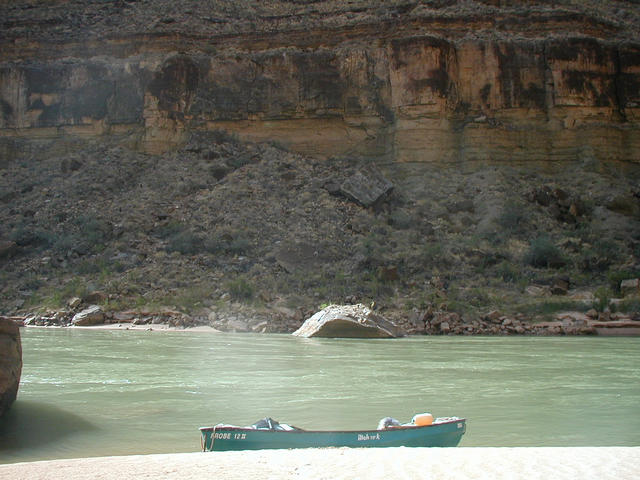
529	463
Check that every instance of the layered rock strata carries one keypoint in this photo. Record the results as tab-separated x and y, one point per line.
10	363
421	81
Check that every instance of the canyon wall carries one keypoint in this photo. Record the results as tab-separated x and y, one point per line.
418	88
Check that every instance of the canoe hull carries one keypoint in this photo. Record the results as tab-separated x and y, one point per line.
222	438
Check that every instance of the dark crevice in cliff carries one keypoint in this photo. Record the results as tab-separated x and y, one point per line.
619	96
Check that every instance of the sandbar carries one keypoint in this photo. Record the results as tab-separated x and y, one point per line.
603	463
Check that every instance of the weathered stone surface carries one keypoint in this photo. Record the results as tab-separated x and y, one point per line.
414	85
10	363
92	315
630	286
348	321
366	186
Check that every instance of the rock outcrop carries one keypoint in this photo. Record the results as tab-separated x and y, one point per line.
348	321
10	363
421	81
92	315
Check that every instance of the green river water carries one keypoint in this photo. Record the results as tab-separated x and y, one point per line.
112	392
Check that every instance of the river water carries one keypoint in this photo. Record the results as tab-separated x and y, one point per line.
112	392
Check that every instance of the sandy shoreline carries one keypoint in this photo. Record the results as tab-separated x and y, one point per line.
618	463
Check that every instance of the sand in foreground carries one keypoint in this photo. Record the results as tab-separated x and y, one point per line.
618	463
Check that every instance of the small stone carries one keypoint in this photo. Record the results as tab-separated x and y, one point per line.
536	291
493	316
74	302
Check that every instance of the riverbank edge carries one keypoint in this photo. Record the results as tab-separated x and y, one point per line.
571	324
559	463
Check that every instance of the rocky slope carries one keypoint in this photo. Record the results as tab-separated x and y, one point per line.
508	130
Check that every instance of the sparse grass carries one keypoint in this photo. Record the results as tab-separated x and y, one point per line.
549	307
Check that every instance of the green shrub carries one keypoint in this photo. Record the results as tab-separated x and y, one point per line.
28	236
553	306
543	253
92	230
615	278
186	243
602	298
170	229
240	289
400	219
630	305
227	243
600	256
508	272
512	218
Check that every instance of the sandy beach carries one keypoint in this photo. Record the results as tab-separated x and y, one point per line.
343	463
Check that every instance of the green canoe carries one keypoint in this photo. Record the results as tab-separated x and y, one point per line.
224	437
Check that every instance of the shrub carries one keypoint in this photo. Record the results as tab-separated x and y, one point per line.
549	307
512	217
169	230
631	305
226	243
600	256
508	272
92	230
543	253
615	278
602	297
240	289
400	220
186	243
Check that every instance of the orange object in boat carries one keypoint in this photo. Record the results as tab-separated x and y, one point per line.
422	419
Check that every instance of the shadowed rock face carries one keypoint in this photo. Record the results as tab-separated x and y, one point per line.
432	81
10	363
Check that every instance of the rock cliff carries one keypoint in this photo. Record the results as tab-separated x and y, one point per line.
443	159
10	363
412	81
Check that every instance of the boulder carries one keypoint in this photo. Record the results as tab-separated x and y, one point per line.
10	363
89	316
630	287
366	186
537	291
348	321
560	286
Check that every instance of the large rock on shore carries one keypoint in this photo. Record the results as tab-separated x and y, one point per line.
10	363
348	321
92	315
